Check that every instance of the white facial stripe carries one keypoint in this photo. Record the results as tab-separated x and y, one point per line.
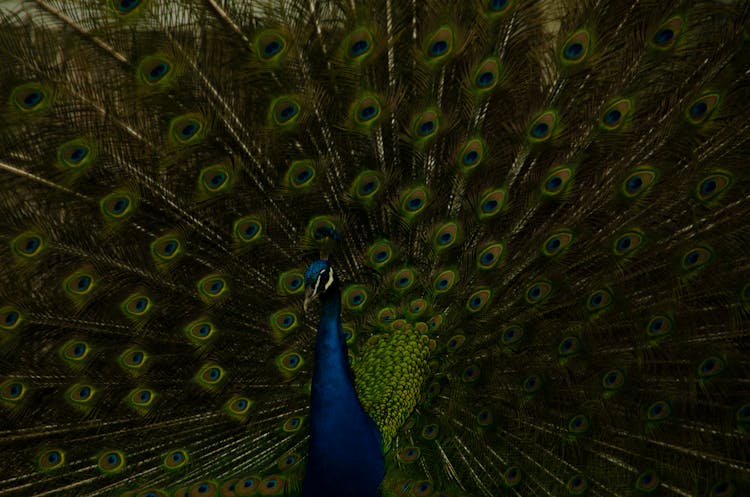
317	284
330	279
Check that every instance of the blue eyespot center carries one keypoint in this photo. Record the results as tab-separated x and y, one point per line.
535	292
490	205
488	257
32	244
471	157
15	390
485	79
709	186
573	50
359	47
140	305
120	205
698	110
272	48
624	243
498	5
145	396
664	36
415	203
78	154
438	48
79	349
188	130
426	128
553	244
381	256
540	130
476	301
634	184
128	5
597	299
554	183
33	99
288	112
612	116
136	358
158	71
170	247
11	318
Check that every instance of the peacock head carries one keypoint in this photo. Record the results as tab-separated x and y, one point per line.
319	279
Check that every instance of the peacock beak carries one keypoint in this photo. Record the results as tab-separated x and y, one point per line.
310	295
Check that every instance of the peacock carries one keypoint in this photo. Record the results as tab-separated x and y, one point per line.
374	248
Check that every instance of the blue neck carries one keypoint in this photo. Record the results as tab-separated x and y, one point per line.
345	450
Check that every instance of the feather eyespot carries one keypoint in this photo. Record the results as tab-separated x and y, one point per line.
659	326
211	288
155	71
712	186
203	489
639	182
28	244
117	205
648	481
538	291
615	113
599	300
557	181
491	203
238	406
613	380
512	334
723	489
367	110
75	352
272	485
490	256
187	129
711	366
577	485
30	97
403	279
578	425
175	459
210	374
568	347
248	229
292	424
136	305
512	477
359	45
426	125
702	108
471	154
133	359
532	384
215	179
12	391
75	154
696	258
51	459
284	321
575	48
667	34
658	411
486	75
439	44
10	318
444	281
409	454
290	362
542	127
285	111
471	374
478	300
111	462
355	297
270	46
